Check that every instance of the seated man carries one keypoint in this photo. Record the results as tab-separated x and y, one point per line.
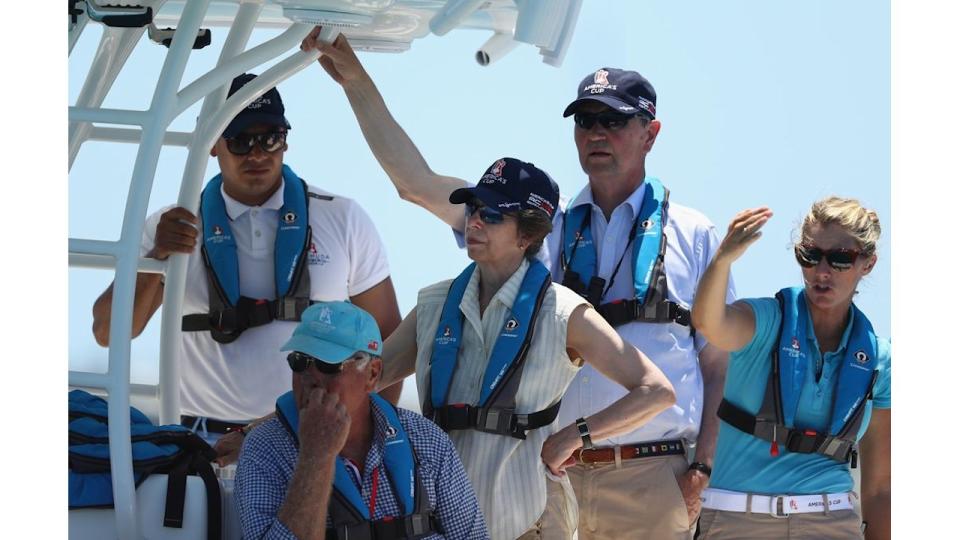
284	476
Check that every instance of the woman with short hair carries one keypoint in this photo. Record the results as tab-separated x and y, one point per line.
495	349
807	394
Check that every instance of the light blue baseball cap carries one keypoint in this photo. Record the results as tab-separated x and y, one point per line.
333	331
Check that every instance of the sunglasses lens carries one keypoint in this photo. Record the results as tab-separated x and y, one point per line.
808	257
271	142
240	145
487	215
842	259
585	121
243	143
490	216
298	361
608	120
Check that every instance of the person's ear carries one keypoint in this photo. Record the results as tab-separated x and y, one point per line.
376	369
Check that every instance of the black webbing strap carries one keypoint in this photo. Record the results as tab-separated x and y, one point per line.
802	441
502	421
248	314
623	311
177	494
410	527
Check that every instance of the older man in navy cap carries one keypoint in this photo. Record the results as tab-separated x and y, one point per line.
394	474
636	258
264	247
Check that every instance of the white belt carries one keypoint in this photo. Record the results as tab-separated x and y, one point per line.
776	505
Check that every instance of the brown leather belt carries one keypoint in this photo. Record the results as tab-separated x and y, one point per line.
674	447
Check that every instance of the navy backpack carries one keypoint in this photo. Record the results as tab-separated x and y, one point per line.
172	450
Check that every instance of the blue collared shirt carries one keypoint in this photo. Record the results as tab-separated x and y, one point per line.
743	462
269	457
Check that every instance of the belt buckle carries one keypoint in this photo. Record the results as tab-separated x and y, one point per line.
776	506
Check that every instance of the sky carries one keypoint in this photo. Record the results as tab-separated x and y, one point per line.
771	103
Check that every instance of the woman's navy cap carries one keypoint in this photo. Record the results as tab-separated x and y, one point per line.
511	185
624	91
266	109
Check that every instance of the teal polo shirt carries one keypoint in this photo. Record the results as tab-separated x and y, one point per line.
743	462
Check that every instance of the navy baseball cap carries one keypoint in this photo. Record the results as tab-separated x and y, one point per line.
626	92
511	185
266	109
332	332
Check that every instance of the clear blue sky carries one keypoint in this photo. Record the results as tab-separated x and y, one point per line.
762	103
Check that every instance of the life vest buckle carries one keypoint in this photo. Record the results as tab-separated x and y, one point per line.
289	308
803	441
500	421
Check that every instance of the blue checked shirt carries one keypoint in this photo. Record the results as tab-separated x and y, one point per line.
269	457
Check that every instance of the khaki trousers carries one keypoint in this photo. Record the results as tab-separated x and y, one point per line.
835	525
637	499
557	521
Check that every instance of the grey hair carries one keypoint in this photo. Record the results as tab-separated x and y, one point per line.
360	360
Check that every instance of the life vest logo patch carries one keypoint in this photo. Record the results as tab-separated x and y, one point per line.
219	235
447	337
289	218
861	357
390	432
794	350
512	324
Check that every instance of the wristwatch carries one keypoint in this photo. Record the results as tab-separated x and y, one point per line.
702	467
584	434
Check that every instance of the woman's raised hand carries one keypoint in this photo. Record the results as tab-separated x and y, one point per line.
743	231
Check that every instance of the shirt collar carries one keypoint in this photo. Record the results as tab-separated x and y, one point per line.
506	295
635	200
235	208
812	336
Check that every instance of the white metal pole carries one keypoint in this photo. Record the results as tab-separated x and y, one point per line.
115	47
144	170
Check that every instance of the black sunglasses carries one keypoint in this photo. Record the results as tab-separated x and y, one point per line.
243	143
299	362
608	119
488	215
838	259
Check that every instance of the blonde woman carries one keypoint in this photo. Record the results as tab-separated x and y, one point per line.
807	394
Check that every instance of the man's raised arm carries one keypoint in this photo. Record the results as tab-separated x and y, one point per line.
399	157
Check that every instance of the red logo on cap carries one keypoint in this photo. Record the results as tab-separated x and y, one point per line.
600	77
497	169
373	345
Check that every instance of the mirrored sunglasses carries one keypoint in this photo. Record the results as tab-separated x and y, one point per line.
299	362
838	259
608	119
243	143
488	215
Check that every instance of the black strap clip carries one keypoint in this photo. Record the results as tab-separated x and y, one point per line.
803	441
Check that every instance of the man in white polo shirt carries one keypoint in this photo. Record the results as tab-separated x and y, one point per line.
636	258
270	246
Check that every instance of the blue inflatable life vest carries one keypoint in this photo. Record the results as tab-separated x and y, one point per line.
350	516
230	313
791	357
172	450
579	263
495	411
